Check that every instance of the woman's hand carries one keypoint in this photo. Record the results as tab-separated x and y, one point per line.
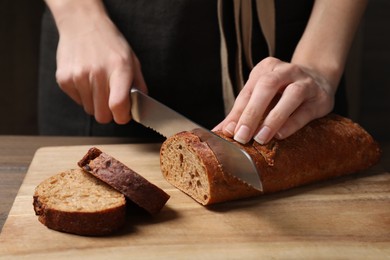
96	66
278	99
306	86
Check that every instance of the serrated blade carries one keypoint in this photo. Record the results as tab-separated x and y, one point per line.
164	120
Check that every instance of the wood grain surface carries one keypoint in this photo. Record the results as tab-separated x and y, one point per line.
344	218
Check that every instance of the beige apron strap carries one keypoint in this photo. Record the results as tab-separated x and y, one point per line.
227	86
246	25
243	25
266	16
239	71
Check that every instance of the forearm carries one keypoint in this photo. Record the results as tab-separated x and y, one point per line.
69	13
325	43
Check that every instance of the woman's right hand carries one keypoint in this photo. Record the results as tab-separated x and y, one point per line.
96	66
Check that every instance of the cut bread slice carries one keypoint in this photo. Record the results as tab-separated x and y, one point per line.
74	201
135	187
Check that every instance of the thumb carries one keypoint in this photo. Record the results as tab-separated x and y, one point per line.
139	81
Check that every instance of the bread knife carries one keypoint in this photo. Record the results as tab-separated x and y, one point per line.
166	121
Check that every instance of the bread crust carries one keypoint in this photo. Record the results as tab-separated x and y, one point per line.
135	187
325	148
81	222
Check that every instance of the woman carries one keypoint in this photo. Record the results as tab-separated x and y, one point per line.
173	49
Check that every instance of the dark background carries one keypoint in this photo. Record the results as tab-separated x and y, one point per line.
368	71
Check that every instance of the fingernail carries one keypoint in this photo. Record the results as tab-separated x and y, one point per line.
230	128
242	135
263	135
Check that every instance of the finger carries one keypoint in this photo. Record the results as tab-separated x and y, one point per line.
218	127
82	84
267	88
293	96
139	80
65	82
228	125
119	98
302	116
311	109
100	92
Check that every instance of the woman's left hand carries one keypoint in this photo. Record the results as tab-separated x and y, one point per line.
278	99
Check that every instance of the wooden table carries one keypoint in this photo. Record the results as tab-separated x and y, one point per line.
291	227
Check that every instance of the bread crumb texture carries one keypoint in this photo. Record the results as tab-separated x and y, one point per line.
182	166
77	191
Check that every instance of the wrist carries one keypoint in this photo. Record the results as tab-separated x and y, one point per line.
70	13
327	78
327	73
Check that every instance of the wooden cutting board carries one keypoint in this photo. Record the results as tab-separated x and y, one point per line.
345	218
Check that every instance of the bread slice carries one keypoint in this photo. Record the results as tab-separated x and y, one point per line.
73	201
327	147
135	187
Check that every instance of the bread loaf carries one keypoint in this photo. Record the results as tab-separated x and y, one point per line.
74	201
327	147
122	178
